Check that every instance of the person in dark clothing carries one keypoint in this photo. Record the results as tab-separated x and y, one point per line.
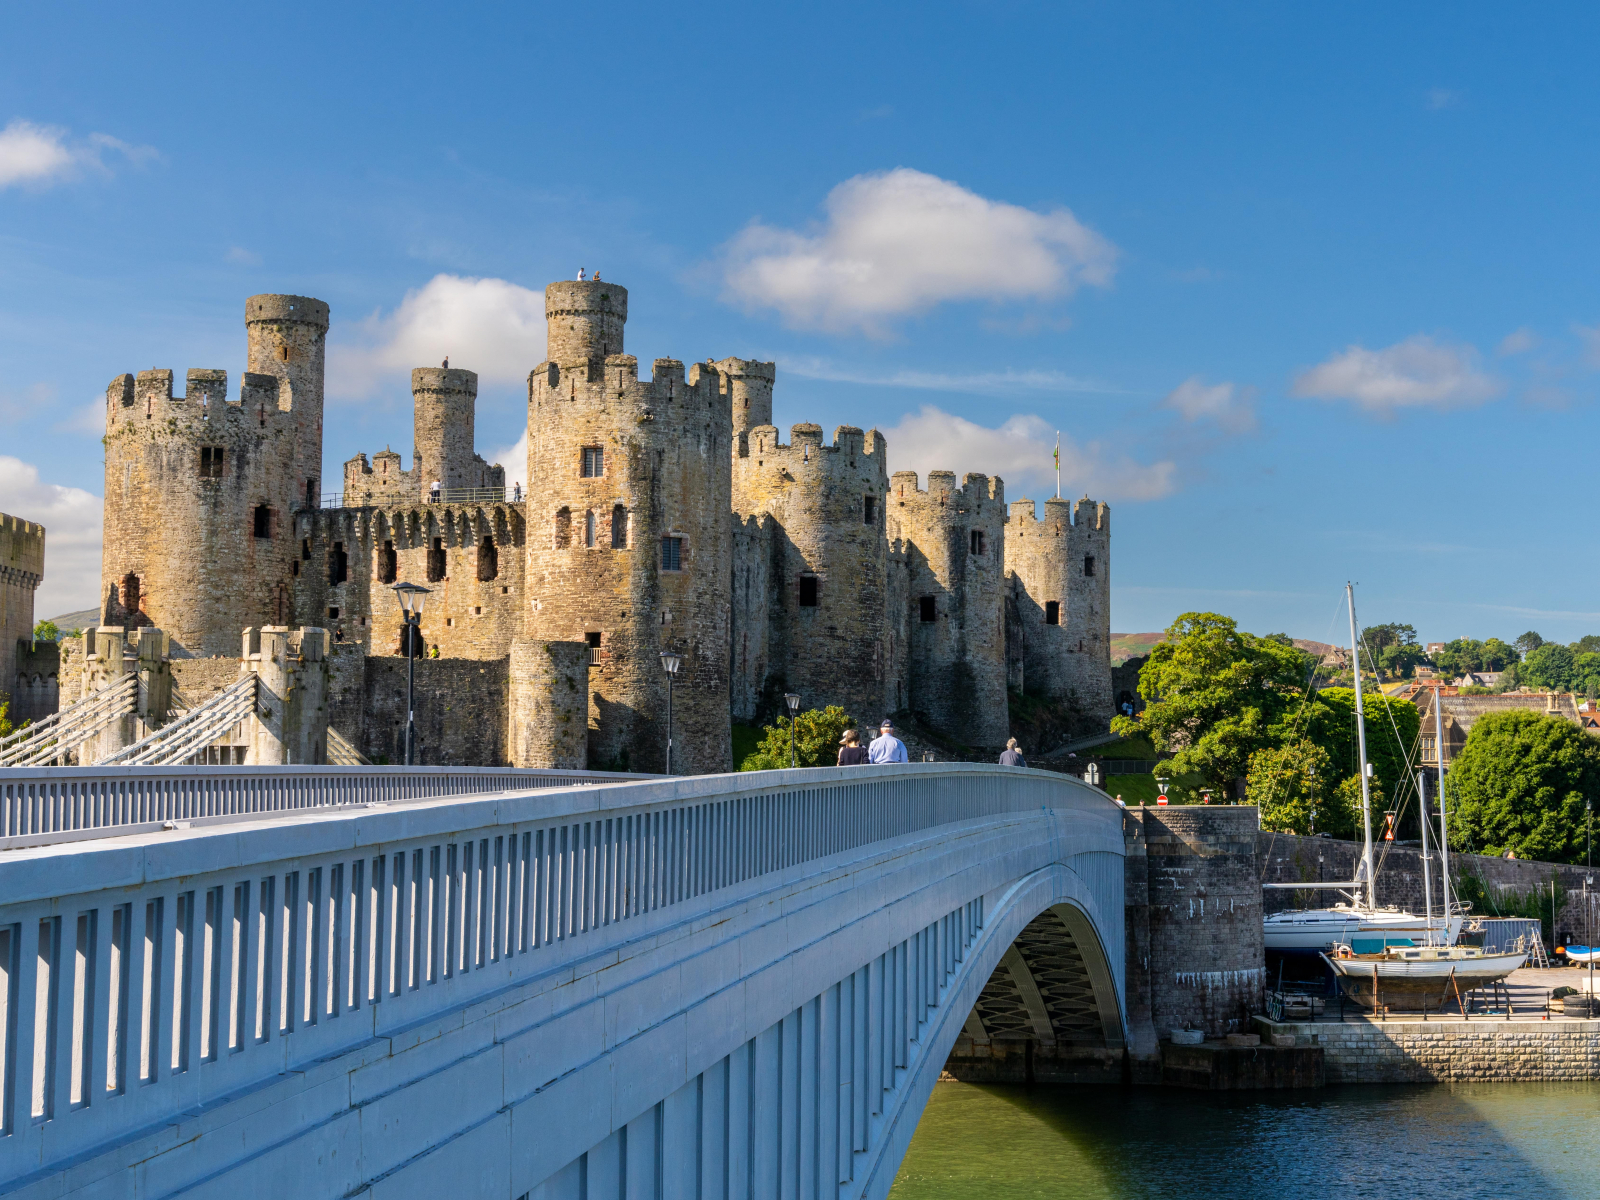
851	752
1011	756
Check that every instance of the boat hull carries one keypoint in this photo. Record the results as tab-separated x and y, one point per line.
1410	986
1318	930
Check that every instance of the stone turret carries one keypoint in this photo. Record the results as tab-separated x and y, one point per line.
955	553
828	560
200	489
628	532
748	387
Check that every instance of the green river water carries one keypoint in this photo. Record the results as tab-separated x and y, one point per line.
1444	1141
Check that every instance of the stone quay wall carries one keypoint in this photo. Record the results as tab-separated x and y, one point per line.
1288	858
1488	1050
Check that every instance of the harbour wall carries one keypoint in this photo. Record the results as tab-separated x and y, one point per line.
1486	1050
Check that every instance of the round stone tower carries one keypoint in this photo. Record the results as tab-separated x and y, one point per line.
584	320
828	604
287	338
1088	617
445	401
200	488
629	537
748	386
956	560
1038	561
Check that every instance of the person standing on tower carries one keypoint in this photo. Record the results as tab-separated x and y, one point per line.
433	492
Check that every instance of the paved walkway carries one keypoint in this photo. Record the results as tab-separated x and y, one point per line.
1530	989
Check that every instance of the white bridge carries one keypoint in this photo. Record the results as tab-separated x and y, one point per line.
338	983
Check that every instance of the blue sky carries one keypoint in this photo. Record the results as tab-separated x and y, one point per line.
1307	290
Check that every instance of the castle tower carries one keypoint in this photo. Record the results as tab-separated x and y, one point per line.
287	338
955	559
629	534
1088	617
199	489
584	320
444	401
828	558
748	386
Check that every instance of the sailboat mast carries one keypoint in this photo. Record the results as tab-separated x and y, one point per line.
1427	879
1444	830
1361	743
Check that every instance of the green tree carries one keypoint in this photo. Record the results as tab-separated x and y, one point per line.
1528	643
817	734
1498	655
46	631
6	727
1214	696
1519	784
1295	788
1391	726
1589	643
1550	666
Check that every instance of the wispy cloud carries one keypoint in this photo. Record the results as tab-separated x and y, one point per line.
994	383
1589	335
241	257
490	326
1229	406
1440	98
899	242
1418	372
1518	341
1019	450
72	519
41	156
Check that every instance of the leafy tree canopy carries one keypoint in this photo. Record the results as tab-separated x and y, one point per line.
1469	654
46	631
1215	695
1589	643
1391	726
817	734
1297	791
1528	643
1519	784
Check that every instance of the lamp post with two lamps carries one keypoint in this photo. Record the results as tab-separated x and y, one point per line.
410	596
670	662
793	703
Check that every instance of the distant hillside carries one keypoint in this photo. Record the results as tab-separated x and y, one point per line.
73	621
1131	645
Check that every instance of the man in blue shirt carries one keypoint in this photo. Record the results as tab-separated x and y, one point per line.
886	748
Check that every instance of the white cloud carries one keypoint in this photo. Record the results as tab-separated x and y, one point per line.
899	242
514	458
984	382
1441	98
490	326
71	519
1416	372
1590	336
1019	451
1230	406
40	156
241	257
1518	341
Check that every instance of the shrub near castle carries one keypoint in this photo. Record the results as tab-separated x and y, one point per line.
816	740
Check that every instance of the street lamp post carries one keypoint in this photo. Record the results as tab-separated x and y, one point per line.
410	596
670	663
793	703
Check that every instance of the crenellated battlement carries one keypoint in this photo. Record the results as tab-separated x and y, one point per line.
979	497
149	396
851	451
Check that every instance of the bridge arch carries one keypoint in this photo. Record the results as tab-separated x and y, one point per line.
734	986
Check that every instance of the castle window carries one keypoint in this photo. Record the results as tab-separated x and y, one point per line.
977	541
488	560
311	494
283	352
563	528
808	591
338	565
130	592
305	549
333	612
1088	565
619	528
388	563
926	609
672	554
869	511
588	529
211	462
1052	612
263	521
594	462
436	560
294	568
593	639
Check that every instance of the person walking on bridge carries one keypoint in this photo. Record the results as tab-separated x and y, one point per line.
1011	756
851	752
886	748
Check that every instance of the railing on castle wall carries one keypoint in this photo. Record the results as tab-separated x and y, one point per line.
147	976
50	804
445	496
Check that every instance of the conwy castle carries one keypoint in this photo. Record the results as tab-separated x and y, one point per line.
659	514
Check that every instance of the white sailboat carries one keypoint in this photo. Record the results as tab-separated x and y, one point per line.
1359	922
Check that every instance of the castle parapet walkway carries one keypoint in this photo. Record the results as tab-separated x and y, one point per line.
719	986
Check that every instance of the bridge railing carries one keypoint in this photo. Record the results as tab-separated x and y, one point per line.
48	804
145	975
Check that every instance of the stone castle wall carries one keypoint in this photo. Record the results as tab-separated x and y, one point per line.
1492	1051
21	571
827	602
957	590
